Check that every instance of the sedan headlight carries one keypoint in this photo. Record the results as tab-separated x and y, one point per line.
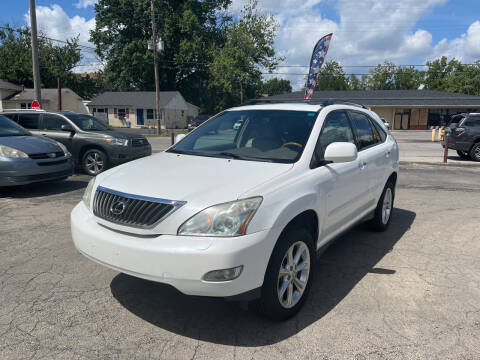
229	219
87	195
9	152
117	141
64	148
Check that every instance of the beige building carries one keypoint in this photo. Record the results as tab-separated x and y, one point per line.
137	109
403	109
23	98
7	90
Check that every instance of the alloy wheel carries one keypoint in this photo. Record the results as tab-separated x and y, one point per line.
293	274
387	205
94	163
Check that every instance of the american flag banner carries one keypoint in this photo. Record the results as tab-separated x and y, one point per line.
318	57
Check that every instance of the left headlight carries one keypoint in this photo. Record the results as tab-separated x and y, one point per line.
117	141
87	195
223	220
64	148
9	152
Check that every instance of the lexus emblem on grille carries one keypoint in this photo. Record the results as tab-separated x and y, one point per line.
117	208
51	155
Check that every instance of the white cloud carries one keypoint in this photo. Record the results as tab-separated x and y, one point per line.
85	3
367	32
56	24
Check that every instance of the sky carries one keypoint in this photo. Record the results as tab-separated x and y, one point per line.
366	32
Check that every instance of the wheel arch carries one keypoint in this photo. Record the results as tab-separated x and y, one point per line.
87	147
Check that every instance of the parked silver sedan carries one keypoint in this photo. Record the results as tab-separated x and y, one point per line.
25	158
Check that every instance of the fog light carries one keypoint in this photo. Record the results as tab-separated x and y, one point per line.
223	275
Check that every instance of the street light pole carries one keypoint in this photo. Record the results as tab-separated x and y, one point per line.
36	68
155	61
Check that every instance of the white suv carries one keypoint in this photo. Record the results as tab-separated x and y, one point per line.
240	211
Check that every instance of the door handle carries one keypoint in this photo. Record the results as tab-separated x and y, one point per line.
362	164
388	154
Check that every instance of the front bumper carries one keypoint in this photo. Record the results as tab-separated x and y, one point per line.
119	155
26	171
180	261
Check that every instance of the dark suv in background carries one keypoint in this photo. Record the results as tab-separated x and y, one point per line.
464	135
94	145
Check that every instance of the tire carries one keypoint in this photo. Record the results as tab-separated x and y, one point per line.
94	162
271	303
383	212
475	152
463	155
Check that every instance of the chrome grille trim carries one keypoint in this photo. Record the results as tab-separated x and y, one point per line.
140	211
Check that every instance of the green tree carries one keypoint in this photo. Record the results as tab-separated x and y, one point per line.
276	86
332	77
54	61
406	78
354	83
190	29
382	77
236	69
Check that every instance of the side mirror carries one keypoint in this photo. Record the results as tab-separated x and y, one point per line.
179	137
67	127
341	152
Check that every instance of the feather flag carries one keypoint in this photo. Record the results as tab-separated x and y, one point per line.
318	57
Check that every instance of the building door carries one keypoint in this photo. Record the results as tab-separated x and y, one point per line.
402	119
140	121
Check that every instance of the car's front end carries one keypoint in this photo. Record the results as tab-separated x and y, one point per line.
126	148
26	159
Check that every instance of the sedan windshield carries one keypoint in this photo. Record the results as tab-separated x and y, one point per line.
11	128
87	122
257	135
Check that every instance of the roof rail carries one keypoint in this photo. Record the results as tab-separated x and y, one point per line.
35	110
322	102
344	102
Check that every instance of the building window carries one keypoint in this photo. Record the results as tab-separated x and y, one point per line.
25	105
183	113
121	114
150	115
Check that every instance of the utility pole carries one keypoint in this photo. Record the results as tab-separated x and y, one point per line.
155	61
36	68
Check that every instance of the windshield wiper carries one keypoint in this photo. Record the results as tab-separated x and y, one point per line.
232	155
240	157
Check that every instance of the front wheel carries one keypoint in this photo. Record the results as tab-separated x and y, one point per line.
289	275
463	154
94	162
475	152
384	210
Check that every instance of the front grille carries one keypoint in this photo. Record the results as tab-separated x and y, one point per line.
41	177
51	155
139	142
131	210
51	163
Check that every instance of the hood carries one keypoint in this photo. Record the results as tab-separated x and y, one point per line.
30	144
194	179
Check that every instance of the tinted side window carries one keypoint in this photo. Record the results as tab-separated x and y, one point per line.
53	122
379	131
28	121
336	129
362	126
472	122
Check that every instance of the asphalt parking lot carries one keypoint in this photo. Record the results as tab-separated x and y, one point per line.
412	292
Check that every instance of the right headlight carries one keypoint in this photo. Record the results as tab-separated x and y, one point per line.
223	220
9	152
87	195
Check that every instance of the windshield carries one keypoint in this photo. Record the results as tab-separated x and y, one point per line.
87	122
258	135
11	128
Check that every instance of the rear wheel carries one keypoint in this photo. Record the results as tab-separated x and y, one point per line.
94	162
384	210
463	154
289	276
475	152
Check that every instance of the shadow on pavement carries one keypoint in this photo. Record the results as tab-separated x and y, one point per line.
43	188
215	320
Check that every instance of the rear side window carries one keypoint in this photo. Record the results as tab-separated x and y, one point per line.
472	122
53	122
363	128
28	121
378	131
